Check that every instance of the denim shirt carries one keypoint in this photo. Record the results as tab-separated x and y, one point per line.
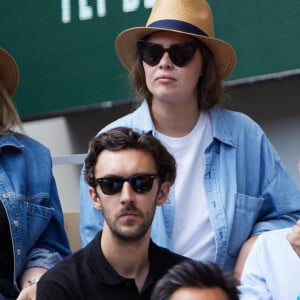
29	195
247	188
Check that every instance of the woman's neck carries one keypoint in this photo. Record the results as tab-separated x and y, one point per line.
175	120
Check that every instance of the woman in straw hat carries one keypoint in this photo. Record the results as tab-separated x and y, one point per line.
231	184
31	223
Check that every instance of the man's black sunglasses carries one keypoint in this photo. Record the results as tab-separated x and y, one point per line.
140	183
180	54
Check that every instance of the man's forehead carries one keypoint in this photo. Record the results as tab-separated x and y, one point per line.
125	161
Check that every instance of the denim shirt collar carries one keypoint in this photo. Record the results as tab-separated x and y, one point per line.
9	140
221	123
222	127
142	120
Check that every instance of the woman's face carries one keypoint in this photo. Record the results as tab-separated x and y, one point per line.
168	82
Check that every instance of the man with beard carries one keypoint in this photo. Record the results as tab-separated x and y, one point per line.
128	174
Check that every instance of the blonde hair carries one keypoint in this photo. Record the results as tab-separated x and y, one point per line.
9	117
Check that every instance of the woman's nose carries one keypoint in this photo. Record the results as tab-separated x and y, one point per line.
165	61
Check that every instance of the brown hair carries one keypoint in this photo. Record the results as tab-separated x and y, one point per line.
121	138
210	91
9	117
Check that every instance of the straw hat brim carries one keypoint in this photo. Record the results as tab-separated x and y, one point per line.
223	53
9	72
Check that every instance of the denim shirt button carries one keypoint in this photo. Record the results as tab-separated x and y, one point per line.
18	252
168	201
6	195
16	223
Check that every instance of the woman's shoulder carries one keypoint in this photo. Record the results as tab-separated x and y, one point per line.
235	128
233	120
27	140
232	115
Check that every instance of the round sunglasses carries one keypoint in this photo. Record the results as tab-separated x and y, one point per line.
140	183
180	54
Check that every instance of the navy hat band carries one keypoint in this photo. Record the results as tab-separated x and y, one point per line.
177	25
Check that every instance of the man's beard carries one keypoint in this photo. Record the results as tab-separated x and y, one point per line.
132	236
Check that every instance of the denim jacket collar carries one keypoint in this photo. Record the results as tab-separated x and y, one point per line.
9	140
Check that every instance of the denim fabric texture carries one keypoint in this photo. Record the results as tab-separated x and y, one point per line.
29	194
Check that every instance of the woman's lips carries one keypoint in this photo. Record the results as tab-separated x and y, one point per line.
165	79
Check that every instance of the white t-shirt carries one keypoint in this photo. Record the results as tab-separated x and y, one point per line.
193	235
272	269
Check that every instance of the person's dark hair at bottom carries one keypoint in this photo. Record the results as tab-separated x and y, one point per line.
197	275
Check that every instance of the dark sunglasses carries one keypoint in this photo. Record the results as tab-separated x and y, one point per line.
140	183
180	54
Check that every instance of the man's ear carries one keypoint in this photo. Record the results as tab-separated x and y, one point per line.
95	198
163	193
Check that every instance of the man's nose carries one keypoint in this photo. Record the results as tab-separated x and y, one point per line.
127	193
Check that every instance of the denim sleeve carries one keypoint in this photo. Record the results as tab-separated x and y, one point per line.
281	205
91	220
43	258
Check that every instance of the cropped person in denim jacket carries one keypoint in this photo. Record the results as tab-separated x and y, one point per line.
33	238
231	183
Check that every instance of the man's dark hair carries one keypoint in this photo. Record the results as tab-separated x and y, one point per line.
122	138
195	274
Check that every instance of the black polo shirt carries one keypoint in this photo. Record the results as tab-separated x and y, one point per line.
86	274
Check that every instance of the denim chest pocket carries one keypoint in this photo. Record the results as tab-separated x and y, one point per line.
38	217
245	216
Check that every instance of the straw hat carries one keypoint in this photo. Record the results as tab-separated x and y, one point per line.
191	17
9	71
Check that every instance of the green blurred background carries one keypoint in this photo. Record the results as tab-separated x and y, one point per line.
67	59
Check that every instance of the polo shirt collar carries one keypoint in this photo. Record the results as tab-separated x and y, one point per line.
108	275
